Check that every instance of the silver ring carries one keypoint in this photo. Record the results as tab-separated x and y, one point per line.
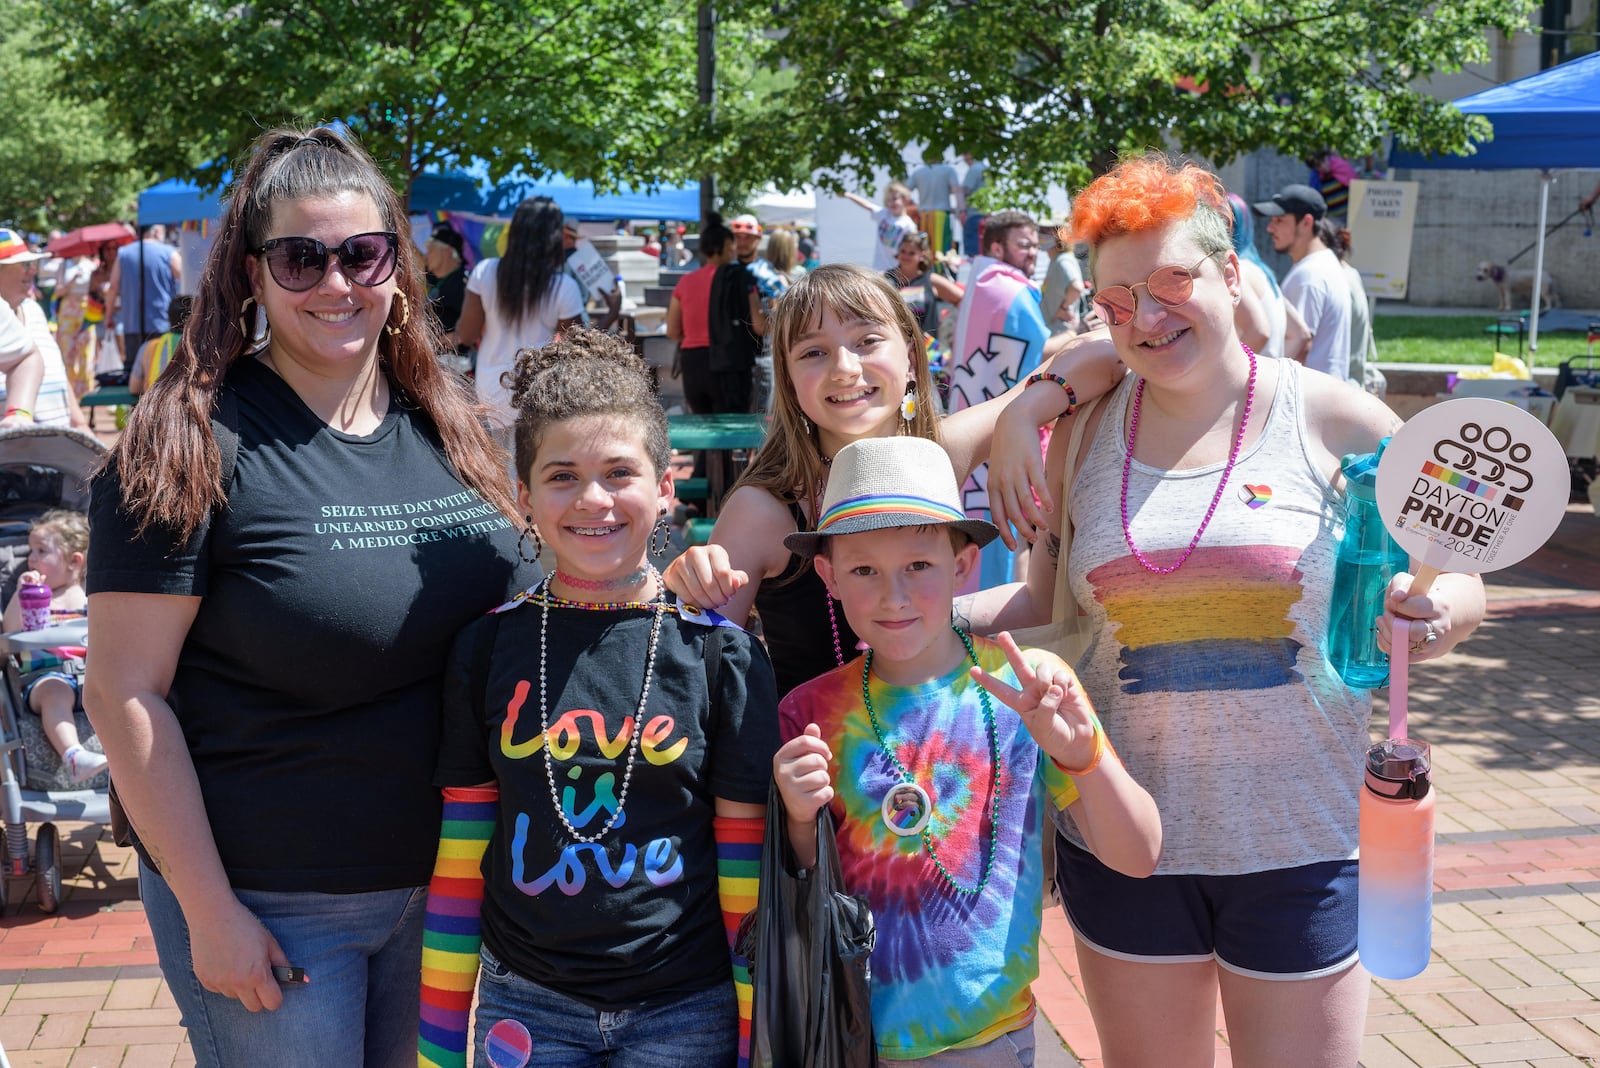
1426	640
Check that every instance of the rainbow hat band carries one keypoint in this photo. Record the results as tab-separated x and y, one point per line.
880	483
15	250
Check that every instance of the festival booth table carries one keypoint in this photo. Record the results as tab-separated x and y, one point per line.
720	436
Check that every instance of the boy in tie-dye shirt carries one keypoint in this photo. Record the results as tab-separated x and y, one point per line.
928	751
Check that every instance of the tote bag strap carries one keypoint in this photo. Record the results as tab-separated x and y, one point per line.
1067	633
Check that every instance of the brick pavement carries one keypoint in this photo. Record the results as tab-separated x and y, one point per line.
1514	719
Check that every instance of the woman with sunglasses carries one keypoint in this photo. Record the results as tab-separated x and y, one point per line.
1204	513
303	511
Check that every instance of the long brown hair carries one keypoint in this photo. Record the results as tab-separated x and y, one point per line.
789	463
168	460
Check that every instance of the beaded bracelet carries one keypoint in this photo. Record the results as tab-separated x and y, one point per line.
1100	747
1046	376
16	411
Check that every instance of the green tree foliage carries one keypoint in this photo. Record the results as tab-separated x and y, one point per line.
597	89
1057	89
62	163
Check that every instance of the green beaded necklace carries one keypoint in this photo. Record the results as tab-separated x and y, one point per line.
994	758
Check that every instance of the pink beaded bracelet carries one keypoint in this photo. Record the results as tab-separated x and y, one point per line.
1046	376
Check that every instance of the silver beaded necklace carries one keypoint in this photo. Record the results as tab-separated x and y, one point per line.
660	605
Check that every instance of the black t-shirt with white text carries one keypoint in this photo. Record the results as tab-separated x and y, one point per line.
633	919
308	686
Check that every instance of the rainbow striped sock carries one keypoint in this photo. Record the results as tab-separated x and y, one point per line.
450	934
738	873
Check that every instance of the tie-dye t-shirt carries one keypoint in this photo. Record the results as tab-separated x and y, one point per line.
1211	681
950	970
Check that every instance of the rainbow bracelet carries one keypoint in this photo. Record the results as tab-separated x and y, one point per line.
1046	376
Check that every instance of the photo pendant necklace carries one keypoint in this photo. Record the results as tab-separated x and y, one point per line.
634	725
907	809
1216	498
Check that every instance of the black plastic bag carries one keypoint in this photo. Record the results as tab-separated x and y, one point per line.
809	944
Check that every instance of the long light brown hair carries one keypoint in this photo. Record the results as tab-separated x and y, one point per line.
168	460
789	463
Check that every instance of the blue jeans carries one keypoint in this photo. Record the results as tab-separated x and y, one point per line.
362	953
972	234
1015	1049
700	1030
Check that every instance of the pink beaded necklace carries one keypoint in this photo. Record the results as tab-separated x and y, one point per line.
1216	499
833	620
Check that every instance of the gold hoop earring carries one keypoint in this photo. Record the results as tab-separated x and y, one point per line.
405	314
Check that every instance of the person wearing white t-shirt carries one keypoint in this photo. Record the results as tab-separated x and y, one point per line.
891	222
1316	286
521	300
54	403
23	368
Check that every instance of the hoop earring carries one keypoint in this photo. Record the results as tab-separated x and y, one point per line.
247	323
660	531
528	530
405	314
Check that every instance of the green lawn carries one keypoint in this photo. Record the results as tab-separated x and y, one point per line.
1461	339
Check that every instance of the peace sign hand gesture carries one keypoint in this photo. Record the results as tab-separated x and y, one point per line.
1051	702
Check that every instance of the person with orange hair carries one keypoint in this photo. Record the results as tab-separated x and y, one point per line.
1207	591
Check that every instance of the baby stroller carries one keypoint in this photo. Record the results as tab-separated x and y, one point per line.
40	468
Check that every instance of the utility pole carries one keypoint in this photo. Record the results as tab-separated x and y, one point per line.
707	85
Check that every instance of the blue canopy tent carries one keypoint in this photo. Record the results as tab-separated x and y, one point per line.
579	200
1547	121
177	200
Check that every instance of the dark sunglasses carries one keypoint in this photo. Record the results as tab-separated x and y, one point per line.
298	263
1170	286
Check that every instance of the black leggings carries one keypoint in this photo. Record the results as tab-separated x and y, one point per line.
699	393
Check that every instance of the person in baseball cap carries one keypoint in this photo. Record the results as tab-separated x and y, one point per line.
1296	200
21	361
745	224
13	249
1316	285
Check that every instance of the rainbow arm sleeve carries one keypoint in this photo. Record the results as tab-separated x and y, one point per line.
738	871
451	935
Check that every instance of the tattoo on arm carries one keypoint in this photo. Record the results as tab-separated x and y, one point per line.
1052	545
961	611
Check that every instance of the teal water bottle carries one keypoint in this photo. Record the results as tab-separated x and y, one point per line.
1366	560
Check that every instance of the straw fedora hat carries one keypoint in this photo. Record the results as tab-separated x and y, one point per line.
877	483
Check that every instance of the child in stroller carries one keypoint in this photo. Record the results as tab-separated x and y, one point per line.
40	469
52	679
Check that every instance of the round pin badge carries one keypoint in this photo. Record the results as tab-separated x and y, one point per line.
906	809
508	1045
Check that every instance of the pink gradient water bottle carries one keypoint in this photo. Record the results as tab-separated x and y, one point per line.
34	600
1394	931
1395	928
